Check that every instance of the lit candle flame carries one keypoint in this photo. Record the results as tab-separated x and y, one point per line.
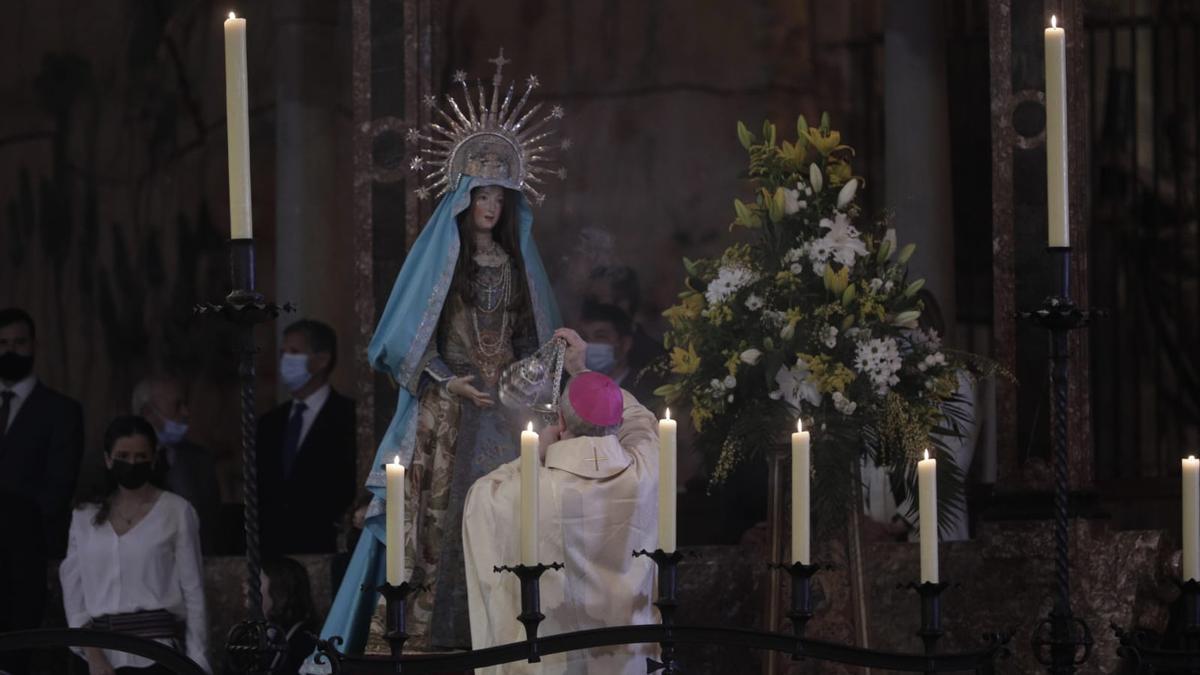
799	425
232	15
668	414
529	427
1053	21
926	453
397	460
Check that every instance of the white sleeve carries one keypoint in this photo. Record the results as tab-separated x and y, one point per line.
639	432
70	574
191	580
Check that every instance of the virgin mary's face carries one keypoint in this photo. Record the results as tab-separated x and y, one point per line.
487	203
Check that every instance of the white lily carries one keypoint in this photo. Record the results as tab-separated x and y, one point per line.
751	356
847	193
814	177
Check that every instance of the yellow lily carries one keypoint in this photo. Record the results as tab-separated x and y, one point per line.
684	361
836	282
824	141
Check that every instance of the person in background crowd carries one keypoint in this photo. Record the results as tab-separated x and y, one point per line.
191	470
608	331
287	602
41	443
618	285
133	560
306	448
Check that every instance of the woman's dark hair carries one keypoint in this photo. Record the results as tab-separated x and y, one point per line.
291	596
122	427
506	235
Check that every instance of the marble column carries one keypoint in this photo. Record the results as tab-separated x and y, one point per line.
917	137
313	243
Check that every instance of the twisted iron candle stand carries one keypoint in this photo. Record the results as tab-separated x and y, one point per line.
666	603
246	308
531	600
1063	641
802	603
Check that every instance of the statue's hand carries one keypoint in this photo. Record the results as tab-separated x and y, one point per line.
461	386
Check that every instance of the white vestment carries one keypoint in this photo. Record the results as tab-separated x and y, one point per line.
598	503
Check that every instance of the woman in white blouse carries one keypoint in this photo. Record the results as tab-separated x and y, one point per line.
133	559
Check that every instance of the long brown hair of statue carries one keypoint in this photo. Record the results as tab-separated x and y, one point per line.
505	234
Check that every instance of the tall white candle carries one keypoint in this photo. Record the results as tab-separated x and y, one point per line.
666	483
1058	220
1190	568
395	522
529	496
927	483
801	496
237	121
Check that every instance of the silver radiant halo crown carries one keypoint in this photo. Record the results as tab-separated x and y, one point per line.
495	140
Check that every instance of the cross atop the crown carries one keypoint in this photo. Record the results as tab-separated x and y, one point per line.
500	62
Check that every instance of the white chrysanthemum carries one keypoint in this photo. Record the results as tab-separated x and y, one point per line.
843	404
828	336
773	318
730	279
754	303
879	360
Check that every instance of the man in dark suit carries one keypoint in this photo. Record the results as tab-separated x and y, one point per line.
41	443
191	469
306	448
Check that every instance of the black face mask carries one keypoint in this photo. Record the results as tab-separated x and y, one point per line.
14	366
131	476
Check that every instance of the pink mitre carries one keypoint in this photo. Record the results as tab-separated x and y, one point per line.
596	398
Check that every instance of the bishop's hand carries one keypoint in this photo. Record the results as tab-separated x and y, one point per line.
575	359
462	387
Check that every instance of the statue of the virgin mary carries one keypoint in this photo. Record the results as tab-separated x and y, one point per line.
471	298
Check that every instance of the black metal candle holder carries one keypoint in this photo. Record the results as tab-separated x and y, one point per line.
931	613
1146	649
666	603
245	308
396	598
531	600
1064	641
802	602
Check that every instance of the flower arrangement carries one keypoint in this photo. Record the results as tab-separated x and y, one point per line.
813	316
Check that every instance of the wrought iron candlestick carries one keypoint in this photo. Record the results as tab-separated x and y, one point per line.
245	307
396	598
802	604
666	603
1146	649
531	600
931	613
1063	641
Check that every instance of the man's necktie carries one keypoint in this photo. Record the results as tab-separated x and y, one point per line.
6	398
291	436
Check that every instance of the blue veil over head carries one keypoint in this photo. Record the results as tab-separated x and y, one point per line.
407	325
